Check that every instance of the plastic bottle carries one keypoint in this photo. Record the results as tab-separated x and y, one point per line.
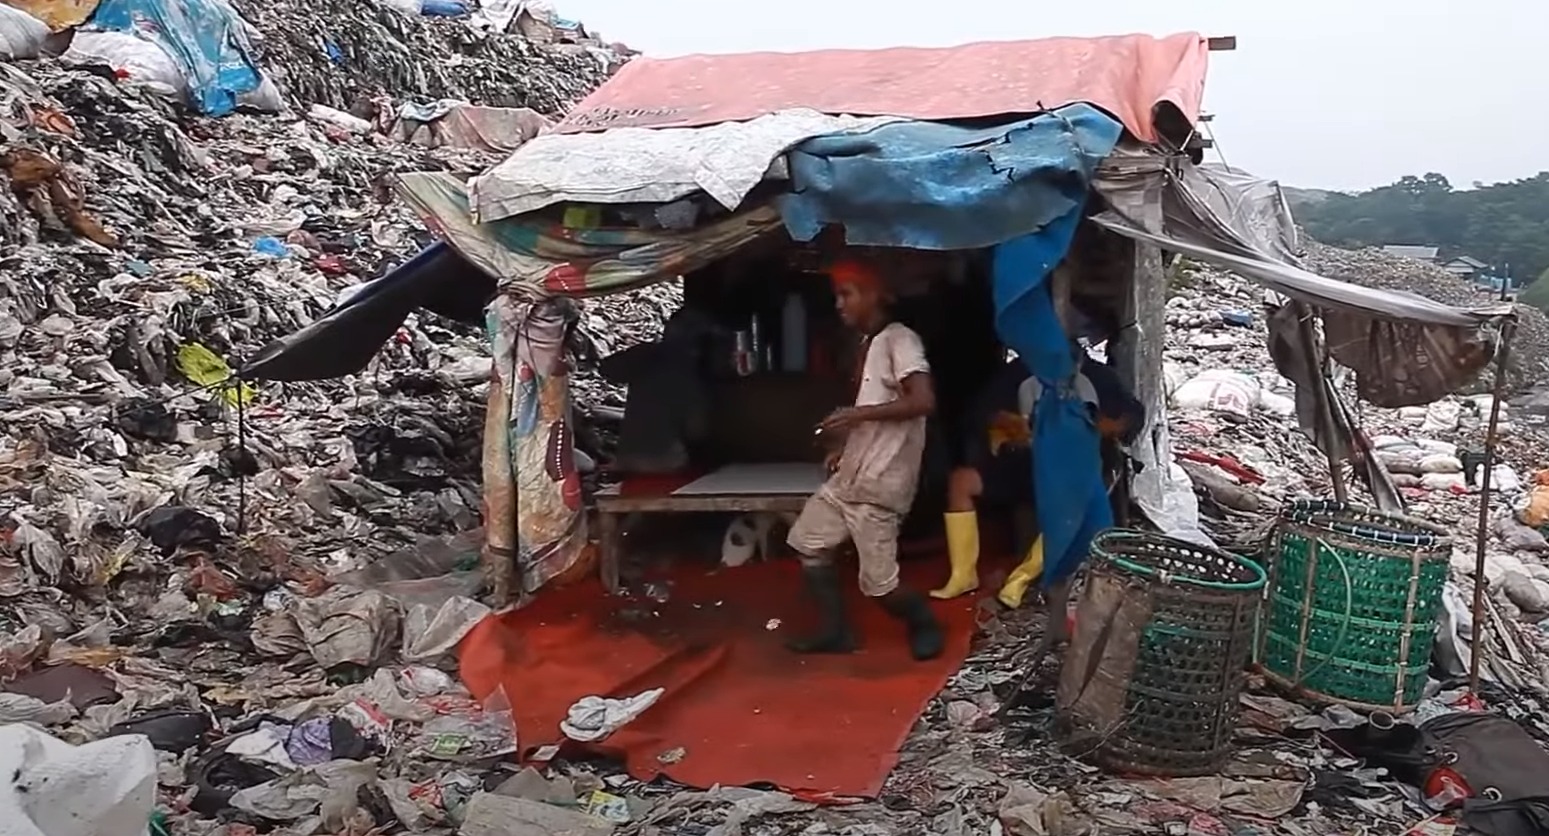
793	335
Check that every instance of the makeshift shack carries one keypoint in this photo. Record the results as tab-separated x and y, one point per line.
733	189
1009	210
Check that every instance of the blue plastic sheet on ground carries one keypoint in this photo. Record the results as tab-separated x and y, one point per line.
207	38
1067	464
936	186
444	8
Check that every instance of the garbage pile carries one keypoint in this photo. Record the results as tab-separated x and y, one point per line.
253	588
340	53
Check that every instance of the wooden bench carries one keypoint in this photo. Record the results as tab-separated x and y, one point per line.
612	506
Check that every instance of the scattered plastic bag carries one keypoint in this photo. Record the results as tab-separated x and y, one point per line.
21	34
1533	510
20	708
408	7
55	789
344	626
436	632
469	732
339	119
205	368
306	791
594	718
419	681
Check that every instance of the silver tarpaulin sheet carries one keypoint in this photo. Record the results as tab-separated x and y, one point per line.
1405	349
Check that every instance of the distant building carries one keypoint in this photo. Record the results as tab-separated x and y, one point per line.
1426	254
1465	267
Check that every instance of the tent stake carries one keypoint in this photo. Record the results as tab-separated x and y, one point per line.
1507	331
1315	374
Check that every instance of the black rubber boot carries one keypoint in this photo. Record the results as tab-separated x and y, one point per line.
926	640
833	635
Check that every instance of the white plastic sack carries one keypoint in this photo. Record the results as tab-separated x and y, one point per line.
1402	460
1412	414
141	61
1431	445
1173	376
21	34
1528	594
1498	566
1443	482
1504	479
1441	417
104	788
1389	442
1220	390
1439	463
408	7
266	97
1277	404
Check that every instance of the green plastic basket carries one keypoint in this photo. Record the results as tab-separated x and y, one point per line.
1352	604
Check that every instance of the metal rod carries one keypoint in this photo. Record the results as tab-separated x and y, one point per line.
1316	377
1491	436
241	457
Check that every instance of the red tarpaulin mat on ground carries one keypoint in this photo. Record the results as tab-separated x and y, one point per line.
740	707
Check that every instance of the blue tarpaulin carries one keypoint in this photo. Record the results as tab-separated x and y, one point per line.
935	186
206	37
1067	464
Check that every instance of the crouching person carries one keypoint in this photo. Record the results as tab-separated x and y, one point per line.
873	475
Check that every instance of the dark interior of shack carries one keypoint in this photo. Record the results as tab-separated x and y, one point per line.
769	357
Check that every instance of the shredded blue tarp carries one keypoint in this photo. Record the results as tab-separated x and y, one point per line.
935	186
1067	464
207	38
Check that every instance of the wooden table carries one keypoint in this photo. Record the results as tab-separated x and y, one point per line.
786	494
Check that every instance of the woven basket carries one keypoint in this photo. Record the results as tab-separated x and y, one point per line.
1163	633
1352	604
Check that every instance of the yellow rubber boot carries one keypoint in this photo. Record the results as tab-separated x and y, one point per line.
1021	577
962	553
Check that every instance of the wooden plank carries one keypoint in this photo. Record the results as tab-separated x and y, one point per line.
701	503
798	478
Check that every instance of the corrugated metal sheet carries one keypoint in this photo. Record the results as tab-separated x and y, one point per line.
1130	76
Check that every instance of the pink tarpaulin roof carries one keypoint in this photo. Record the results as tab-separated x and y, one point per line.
1130	76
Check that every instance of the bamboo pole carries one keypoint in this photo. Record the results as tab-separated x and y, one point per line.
1491	436
1316	376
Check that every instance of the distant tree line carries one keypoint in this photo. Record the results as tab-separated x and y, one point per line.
1503	225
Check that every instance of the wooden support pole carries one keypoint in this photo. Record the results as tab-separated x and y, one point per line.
1481	536
1325	410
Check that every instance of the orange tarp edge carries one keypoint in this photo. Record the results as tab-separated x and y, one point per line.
1127	75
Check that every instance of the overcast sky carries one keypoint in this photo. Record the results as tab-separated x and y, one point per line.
1340	94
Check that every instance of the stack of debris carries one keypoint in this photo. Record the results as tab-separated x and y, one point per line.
264	582
341	52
